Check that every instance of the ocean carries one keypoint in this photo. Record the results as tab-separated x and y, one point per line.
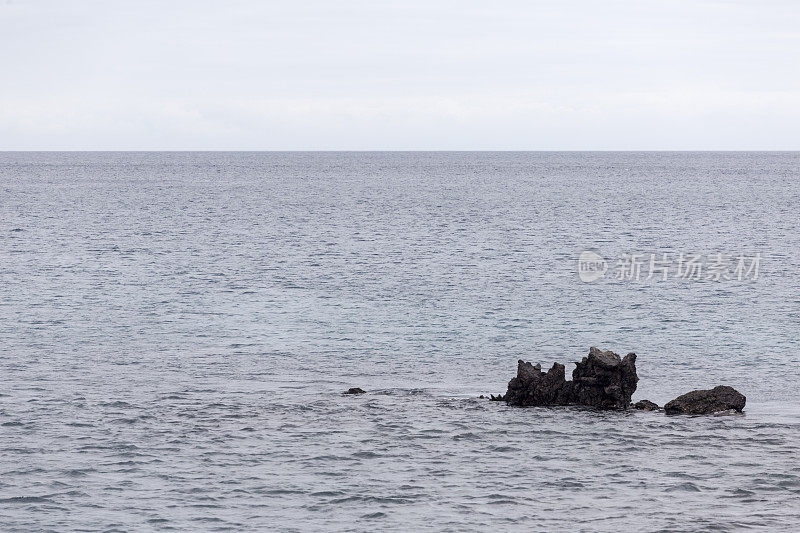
177	329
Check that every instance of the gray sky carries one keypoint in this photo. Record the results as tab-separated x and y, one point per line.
401	75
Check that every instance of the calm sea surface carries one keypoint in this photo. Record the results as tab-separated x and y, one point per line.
176	330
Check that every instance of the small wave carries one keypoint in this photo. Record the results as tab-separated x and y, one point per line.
467	436
118	403
26	499
684	487
503	449
327	494
279	492
79	472
366	455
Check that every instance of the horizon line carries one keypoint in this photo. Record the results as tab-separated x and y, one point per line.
401	151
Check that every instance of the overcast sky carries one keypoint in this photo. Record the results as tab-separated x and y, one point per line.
400	75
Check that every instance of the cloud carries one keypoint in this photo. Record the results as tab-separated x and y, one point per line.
411	75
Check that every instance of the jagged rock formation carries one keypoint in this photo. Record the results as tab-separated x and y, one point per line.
705	402
646	405
601	380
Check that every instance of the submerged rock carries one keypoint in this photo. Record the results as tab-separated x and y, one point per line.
355	390
601	380
706	402
646	405
492	398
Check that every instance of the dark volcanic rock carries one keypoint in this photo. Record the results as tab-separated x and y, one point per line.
705	402
646	405
601	380
355	390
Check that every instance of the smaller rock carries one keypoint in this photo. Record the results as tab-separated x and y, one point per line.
355	390
646	405
706	402
498	398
